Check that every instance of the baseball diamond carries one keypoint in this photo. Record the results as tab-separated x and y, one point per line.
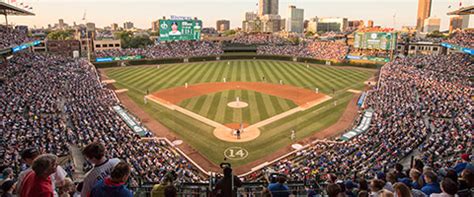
272	89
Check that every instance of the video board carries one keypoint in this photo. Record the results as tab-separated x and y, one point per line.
175	30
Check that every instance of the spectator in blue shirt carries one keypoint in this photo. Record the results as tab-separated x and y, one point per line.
432	185
278	189
115	184
462	165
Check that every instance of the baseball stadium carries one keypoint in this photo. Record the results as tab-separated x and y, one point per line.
275	107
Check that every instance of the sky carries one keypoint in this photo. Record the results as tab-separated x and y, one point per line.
386	13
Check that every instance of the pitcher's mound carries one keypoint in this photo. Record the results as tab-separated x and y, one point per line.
238	104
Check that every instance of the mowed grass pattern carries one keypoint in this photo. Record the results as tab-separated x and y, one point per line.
261	106
274	136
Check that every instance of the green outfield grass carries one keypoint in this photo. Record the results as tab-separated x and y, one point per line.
274	135
214	106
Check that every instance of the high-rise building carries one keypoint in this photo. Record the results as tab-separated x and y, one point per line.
250	16
222	25
295	20
331	24
455	23
370	23
431	24
271	23
465	21
424	12
128	25
155	26
355	24
267	7
61	24
90	27
114	26
312	25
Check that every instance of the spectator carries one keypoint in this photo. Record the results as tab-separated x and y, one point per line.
377	188
465	160
333	190
29	155
8	187
279	189
171	191
417	180
7	174
401	190
414	192
67	189
449	188
227	186
399	171
37	183
115	184
431	186
466	183
95	154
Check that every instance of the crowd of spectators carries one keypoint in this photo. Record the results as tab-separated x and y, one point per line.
168	50
323	50
12	37
462	38
53	102
421	104
259	39
369	52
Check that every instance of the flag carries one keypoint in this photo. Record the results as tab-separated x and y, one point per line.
460	4
12	1
449	6
21	3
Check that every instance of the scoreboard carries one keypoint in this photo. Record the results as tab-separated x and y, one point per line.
175	30
375	40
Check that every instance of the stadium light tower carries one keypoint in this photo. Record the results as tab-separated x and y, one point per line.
87	37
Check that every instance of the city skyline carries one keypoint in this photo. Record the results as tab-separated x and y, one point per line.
143	12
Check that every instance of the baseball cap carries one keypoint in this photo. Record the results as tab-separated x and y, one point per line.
465	157
29	153
7	185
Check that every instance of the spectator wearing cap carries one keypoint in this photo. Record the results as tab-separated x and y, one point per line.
7	174
28	156
465	160
449	188
431	186
350	186
8	187
115	185
37	183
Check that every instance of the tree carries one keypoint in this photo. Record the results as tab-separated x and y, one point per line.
309	34
128	40
436	34
229	32
60	35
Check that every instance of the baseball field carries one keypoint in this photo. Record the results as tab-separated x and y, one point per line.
279	97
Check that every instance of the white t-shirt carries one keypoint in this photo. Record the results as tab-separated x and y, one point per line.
96	174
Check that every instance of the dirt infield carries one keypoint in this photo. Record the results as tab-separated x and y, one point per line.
236	125
300	96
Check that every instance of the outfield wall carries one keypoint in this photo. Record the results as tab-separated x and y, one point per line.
235	57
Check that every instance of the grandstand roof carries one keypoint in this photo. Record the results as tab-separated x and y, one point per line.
463	11
12	10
